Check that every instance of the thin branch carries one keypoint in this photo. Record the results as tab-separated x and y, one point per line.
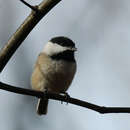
30	6
100	109
22	32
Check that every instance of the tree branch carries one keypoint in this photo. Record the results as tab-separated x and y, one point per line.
22	32
38	94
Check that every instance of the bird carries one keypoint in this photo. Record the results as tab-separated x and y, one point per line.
54	69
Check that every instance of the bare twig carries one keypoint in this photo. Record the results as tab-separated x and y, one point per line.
30	6
22	32
100	109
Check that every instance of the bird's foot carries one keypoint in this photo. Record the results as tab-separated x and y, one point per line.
67	97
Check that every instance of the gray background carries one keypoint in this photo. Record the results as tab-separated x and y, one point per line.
100	29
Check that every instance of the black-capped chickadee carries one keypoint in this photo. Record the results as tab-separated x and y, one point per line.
54	69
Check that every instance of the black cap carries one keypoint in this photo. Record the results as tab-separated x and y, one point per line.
63	41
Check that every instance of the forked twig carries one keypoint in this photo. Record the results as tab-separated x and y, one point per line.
22	32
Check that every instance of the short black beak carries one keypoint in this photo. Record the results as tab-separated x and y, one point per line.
74	49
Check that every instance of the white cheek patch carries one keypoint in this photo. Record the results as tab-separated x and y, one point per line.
53	48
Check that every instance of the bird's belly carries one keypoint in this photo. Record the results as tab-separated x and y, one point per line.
61	77
60	83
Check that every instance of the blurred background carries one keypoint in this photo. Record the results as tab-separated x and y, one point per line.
100	29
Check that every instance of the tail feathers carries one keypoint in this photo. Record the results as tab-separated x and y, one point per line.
42	106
